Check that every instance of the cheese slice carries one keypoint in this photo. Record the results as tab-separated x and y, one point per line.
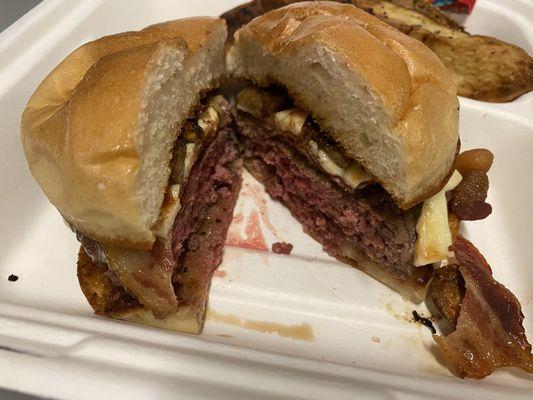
434	236
292	120
191	150
325	161
208	120
169	210
353	175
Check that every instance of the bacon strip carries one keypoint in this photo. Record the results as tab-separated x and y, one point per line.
489	332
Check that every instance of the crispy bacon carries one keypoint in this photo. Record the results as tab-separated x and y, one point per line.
489	332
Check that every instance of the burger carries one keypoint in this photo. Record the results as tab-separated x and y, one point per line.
129	138
347	122
354	128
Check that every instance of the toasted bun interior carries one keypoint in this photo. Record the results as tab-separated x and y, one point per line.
99	130
385	98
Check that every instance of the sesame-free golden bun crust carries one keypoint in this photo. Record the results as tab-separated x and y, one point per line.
385	98
98	131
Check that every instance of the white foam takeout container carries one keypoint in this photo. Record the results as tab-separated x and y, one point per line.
298	326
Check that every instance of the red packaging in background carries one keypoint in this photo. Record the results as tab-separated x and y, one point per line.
457	6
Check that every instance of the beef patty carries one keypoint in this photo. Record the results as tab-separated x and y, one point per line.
177	270
340	219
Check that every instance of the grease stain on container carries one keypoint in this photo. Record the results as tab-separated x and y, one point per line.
301	331
396	308
415	345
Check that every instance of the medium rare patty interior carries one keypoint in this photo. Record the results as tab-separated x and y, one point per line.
197	211
354	224
200	229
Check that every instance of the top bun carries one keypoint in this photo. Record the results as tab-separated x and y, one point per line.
99	130
385	98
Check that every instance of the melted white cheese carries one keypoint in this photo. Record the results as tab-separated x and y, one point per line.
292	120
353	175
324	160
169	210
434	236
208	120
190	158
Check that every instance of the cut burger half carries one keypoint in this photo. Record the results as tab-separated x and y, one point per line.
130	140
354	127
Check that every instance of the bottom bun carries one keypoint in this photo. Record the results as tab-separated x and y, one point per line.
113	301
